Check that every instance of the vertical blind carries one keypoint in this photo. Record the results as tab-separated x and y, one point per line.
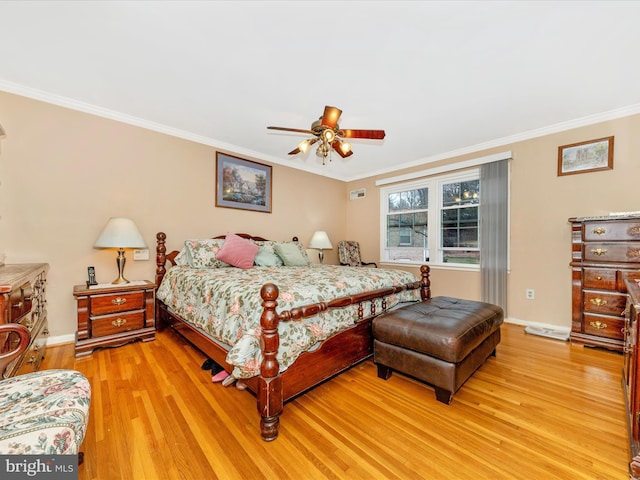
494	219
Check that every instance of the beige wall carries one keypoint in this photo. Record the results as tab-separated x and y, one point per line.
541	203
63	173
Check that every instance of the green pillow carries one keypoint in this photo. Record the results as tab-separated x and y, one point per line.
266	257
290	254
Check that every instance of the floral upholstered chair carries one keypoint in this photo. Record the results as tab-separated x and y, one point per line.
349	254
44	412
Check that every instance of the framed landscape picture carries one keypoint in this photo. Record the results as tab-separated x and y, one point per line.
242	184
589	156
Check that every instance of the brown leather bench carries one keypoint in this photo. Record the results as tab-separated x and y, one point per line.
441	341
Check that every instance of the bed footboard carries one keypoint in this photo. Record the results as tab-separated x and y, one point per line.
271	393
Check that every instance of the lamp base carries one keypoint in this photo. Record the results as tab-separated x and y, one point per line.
321	256
121	260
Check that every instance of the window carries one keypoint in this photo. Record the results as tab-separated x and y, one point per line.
434	220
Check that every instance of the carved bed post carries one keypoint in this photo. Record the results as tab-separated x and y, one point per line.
161	258
270	401
425	283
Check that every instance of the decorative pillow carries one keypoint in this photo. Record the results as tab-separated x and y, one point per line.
202	253
238	251
182	258
291	254
300	247
266	257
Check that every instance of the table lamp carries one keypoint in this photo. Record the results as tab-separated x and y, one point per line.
320	241
120	233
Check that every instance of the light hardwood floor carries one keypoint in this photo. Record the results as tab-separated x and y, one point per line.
541	409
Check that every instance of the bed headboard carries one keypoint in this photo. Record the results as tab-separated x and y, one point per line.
162	256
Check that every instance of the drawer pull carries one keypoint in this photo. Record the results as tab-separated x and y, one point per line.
598	324
119	322
598	302
599	230
634	231
599	251
598	277
633	253
119	301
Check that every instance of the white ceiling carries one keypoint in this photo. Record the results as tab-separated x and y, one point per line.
440	78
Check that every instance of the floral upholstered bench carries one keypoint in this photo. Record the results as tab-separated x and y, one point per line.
44	412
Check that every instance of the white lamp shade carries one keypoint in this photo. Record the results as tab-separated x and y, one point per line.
120	232
320	240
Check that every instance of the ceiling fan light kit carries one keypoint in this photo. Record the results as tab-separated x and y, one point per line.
327	131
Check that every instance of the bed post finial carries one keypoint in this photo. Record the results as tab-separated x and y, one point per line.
425	283
161	257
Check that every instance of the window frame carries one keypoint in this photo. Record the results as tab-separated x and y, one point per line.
434	224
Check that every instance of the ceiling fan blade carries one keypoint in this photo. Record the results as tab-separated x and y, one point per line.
330	116
285	129
336	147
372	134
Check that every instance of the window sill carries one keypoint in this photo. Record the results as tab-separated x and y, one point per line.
435	266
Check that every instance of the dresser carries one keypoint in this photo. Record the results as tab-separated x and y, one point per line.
631	372
603	250
23	300
111	315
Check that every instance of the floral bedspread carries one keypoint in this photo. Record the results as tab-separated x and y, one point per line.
226	304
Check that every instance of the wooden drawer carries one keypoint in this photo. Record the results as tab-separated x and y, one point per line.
117	323
21	302
604	326
599	278
606	231
34	355
116	302
605	303
625	252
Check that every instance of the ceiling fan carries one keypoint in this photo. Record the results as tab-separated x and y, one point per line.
327	131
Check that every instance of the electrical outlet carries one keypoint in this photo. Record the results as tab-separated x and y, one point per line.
530	294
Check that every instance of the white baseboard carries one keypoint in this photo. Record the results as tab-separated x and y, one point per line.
61	339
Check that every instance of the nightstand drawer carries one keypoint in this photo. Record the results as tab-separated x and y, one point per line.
117	323
116	302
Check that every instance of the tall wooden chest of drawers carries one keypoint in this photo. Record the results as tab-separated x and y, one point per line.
603	249
23	300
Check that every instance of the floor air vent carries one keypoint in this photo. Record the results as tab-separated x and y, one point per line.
552	332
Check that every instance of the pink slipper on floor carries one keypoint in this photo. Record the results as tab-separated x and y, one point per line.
220	376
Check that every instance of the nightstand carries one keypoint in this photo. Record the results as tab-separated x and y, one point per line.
111	315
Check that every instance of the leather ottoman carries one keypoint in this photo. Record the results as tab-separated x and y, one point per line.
441	341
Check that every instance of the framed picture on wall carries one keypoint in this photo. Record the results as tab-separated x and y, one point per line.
589	156
242	184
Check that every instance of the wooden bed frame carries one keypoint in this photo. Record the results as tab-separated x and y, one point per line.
335	355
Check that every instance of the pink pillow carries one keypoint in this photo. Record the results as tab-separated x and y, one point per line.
237	251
